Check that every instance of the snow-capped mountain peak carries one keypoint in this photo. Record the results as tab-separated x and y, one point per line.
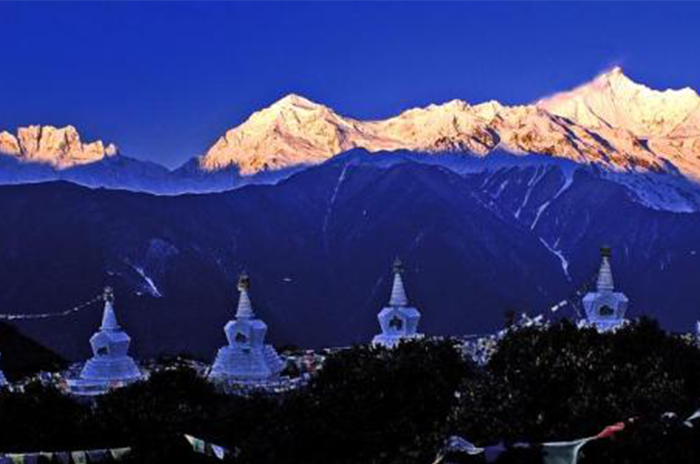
610	120
614	77
290	113
294	100
58	147
614	100
292	131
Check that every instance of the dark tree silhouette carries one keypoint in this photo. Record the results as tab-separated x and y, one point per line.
377	406
564	383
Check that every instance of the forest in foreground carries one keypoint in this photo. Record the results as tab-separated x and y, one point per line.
376	406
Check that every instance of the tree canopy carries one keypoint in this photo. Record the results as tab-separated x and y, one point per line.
371	405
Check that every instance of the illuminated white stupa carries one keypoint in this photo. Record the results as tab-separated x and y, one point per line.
110	364
246	358
398	321
605	308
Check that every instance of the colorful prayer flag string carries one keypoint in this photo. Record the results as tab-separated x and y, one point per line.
67	457
209	449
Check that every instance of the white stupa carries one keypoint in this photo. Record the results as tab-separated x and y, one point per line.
605	308
110	364
246	358
398	321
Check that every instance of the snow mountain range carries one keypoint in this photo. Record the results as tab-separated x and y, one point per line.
645	139
611	120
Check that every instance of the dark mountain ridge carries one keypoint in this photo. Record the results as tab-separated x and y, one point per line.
22	356
319	245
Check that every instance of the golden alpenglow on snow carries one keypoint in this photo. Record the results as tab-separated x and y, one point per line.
58	147
611	120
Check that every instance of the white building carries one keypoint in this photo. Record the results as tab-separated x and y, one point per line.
110	364
246	358
605	308
398	320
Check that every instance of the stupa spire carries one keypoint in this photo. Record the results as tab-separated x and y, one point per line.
605	277
246	357
605	308
398	320
109	318
245	308
110	364
398	292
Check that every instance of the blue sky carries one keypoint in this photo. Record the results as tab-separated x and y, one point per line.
164	80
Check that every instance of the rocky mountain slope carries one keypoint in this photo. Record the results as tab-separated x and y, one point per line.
319	246
22	356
